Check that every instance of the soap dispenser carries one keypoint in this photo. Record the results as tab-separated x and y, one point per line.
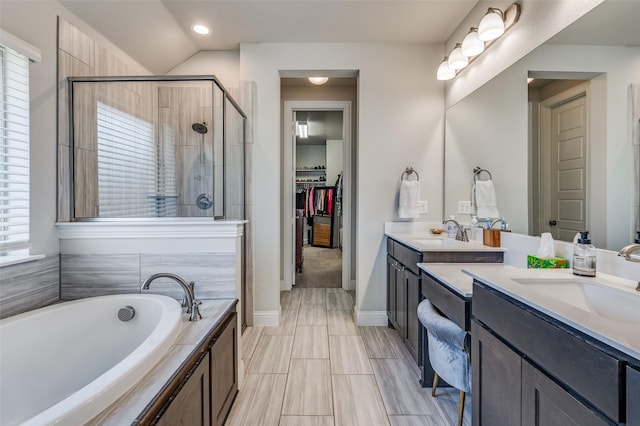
451	228
584	256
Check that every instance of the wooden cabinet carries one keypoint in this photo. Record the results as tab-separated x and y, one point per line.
189	405
496	380
545	403
531	369
224	374
204	395
413	297
633	393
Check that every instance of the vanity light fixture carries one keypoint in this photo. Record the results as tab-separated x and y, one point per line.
494	23
201	29
457	60
318	81
472	45
444	72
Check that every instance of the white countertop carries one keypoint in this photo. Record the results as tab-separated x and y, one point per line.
426	241
566	302
452	275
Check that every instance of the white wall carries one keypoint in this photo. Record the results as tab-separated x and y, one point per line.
335	164
400	124
311	156
35	22
489	129
224	65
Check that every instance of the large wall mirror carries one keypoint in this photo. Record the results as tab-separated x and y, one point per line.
556	132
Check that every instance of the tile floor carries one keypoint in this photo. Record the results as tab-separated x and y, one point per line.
318	368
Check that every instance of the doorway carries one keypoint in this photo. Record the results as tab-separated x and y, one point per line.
319	166
317	200
563	134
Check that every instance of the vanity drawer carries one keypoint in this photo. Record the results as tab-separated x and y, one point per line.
407	256
562	352
454	307
633	391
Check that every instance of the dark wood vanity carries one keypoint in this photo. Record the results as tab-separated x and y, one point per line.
407	286
530	368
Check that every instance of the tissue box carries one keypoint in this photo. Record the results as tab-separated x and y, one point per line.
546	262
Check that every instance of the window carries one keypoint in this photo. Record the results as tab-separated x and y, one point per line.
14	151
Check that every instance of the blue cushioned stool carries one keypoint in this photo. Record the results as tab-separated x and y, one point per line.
448	351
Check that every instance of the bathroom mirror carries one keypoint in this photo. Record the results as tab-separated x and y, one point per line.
494	128
155	148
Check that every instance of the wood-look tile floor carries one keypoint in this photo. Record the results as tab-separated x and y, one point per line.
318	368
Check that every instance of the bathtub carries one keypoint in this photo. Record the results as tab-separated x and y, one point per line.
65	363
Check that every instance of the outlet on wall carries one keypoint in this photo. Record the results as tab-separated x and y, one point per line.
464	207
424	207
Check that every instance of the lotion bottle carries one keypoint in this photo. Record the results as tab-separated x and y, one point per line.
584	256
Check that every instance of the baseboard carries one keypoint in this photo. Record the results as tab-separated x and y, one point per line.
372	318
266	318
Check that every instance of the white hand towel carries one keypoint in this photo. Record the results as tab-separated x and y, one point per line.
486	203
408	207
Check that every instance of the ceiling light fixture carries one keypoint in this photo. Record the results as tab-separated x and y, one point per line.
494	23
318	81
201	29
444	72
302	129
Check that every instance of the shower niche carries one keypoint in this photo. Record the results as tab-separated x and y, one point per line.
155	147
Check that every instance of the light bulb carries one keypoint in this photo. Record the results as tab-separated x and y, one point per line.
472	45
492	26
456	59
444	72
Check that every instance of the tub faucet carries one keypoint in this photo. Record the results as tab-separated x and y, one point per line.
461	234
627	250
191	302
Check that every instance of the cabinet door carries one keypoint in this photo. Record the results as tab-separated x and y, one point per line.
545	403
224	372
496	395
413	299
190	407
633	393
401	301
391	291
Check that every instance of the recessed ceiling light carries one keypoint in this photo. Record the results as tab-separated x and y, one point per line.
318	80
201	29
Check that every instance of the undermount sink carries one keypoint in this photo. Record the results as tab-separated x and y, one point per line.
602	299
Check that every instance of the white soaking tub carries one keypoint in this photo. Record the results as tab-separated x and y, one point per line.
65	363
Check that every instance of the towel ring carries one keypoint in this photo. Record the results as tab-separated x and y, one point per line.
409	171
477	171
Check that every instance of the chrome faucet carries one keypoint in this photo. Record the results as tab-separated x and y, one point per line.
496	220
627	250
461	234
189	297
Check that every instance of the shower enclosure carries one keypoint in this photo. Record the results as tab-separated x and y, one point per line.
155	147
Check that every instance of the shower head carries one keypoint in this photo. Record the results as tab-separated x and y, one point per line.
200	128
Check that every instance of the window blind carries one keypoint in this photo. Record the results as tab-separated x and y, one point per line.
14	150
127	164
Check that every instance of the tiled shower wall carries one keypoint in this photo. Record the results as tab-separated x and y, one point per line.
29	285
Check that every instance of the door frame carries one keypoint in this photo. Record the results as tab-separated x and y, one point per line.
544	165
288	186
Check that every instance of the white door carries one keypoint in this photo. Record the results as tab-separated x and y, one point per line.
568	154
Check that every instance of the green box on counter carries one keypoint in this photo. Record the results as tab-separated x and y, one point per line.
546	262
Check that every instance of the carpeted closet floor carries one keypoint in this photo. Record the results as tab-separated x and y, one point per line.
321	268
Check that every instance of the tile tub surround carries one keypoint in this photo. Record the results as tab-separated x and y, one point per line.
134	402
108	257
29	285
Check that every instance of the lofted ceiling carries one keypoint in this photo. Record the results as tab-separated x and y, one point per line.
157	33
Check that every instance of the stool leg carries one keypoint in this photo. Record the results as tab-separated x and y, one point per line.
435	384
461	408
